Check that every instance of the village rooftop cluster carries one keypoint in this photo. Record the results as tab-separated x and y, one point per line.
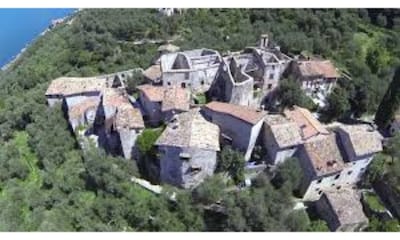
238	86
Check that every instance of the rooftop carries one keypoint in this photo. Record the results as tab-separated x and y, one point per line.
324	154
153	93
176	98
247	114
285	131
127	116
190	129
72	85
153	72
364	139
308	124
171	97
313	68
346	205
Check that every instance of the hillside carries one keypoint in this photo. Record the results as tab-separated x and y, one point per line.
47	183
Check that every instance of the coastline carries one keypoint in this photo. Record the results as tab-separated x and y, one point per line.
53	23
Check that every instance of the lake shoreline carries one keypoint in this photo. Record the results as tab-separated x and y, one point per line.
53	23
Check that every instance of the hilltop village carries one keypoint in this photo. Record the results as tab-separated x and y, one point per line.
203	101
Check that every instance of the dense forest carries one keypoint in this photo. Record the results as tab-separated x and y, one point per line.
48	184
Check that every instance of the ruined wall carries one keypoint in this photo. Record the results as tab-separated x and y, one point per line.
128	139
241	132
177	171
152	110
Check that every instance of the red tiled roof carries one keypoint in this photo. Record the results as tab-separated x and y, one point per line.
153	93
318	68
247	114
324	154
309	126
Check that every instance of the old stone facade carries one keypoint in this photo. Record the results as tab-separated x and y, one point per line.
188	150
239	125
317	78
194	69
342	210
99	109
160	103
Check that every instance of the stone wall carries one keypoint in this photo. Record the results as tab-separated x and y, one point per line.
179	172
243	134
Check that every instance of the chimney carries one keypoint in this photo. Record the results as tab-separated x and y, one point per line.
264	41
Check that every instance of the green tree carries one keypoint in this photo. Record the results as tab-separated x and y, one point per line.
318	226
390	102
337	104
232	162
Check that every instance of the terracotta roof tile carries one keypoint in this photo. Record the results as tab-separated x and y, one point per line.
190	129
324	154
308	124
153	93
363	138
247	114
318	68
285	131
170	97
346	205
69	85
176	98
127	116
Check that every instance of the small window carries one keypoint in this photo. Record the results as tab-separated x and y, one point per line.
349	172
320	192
169	83
337	176
317	189
269	86
271	76
183	85
184	156
333	185
338	187
319	181
362	169
187	76
202	82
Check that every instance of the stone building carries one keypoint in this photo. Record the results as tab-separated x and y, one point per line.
100	109
317	78
161	103
188	150
360	143
284	133
193	69
282	137
77	89
153	73
83	113
322	164
250	77
233	85
121	121
240	126
342	210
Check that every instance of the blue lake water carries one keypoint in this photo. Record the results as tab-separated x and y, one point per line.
18	27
